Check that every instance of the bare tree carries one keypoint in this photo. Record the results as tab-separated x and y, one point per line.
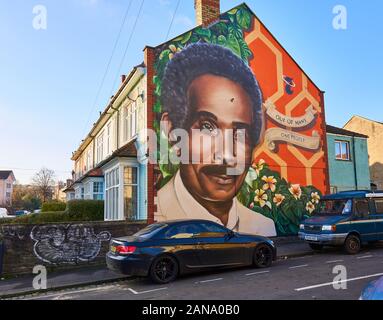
44	183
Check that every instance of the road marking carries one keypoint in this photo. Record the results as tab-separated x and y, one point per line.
339	282
256	273
207	281
70	292
334	261
297	267
147	291
365	257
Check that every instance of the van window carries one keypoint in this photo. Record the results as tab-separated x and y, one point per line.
334	207
362	208
379	206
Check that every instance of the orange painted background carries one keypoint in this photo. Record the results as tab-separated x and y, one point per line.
271	63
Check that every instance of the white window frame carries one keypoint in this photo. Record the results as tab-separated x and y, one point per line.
112	194
134	185
100	147
100	190
347	152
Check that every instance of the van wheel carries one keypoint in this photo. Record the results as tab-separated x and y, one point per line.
164	270
316	247
352	245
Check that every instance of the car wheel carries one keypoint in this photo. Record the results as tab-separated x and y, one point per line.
263	256
164	270
316	247
352	245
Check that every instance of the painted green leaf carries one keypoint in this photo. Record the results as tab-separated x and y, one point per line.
233	11
245	50
244	18
203	33
186	37
233	44
235	30
222	40
165	54
157	107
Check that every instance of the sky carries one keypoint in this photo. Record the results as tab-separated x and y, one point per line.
50	79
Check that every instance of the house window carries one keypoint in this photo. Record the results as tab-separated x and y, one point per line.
87	191
82	193
108	138
8	195
112	181
89	160
342	150
98	191
100	148
131	193
9	186
130	121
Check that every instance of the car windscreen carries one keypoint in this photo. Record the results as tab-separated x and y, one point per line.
334	207
150	230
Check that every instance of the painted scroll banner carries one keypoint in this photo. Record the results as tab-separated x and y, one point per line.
291	122
275	135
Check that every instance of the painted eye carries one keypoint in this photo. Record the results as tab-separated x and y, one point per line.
205	125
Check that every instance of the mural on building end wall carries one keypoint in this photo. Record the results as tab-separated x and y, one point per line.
67	244
234	75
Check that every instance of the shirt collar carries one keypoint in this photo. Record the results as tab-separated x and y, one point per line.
194	210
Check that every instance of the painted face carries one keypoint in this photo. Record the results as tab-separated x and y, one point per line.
217	104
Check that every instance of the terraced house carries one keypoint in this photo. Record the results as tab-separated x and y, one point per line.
227	73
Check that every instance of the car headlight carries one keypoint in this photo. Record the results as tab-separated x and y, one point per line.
329	228
302	227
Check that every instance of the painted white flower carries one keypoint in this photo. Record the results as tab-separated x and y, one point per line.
278	199
315	197
270	183
259	166
310	207
296	191
261	198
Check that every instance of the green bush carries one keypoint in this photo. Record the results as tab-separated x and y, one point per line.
38	218
86	210
53	206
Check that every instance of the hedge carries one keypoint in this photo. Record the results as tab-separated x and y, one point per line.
76	211
86	210
53	206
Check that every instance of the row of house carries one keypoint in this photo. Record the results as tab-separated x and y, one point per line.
7	179
298	146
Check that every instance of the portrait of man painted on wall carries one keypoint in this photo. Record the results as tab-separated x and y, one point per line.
209	89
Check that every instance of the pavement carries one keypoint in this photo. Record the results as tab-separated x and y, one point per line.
21	286
329	275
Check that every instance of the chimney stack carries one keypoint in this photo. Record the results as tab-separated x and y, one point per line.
123	78
207	11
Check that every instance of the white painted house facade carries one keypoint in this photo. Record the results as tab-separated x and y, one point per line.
105	165
7	180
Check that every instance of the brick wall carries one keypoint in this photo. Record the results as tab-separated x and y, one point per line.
60	246
149	62
207	11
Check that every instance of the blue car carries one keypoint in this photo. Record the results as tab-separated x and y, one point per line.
373	291
346	219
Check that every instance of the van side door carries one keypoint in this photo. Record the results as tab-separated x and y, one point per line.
363	222
378	217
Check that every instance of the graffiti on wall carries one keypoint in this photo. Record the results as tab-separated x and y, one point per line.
60	244
235	75
18	232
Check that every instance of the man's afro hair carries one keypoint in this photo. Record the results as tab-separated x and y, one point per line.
199	59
